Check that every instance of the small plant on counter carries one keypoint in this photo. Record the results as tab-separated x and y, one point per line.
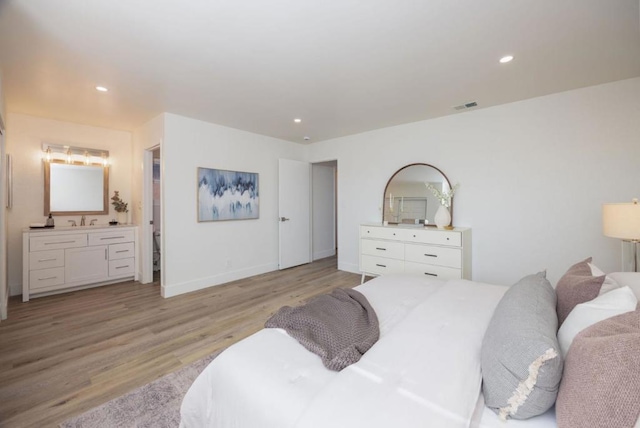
118	203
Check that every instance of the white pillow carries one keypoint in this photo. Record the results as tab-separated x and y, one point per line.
585	314
609	282
630	279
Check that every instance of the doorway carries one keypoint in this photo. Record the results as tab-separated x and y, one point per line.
156	216
324	202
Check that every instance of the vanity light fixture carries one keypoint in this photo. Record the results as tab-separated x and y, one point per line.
66	153
505	59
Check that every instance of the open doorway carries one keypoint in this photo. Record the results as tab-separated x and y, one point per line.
156	219
324	209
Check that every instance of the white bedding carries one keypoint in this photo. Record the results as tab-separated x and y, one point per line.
423	372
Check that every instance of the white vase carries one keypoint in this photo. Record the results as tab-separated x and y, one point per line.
442	218
122	218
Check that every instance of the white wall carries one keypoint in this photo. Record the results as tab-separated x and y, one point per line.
198	255
25	135
323	211
533	176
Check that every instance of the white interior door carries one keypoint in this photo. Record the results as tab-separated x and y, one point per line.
294	213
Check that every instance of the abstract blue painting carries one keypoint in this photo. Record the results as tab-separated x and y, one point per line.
227	195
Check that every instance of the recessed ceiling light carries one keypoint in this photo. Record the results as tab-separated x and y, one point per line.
296	120
101	89
306	138
506	59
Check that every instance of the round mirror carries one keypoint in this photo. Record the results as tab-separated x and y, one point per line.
407	200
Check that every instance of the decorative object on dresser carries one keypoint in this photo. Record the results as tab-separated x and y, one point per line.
622	221
445	254
445	196
227	195
59	261
405	199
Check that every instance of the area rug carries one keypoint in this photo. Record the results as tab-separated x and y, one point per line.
155	405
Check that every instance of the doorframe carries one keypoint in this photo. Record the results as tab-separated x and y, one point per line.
335	204
146	232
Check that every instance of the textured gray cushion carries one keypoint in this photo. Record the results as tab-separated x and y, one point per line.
576	286
601	383
521	360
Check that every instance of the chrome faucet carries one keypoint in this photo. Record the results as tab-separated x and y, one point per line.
92	223
82	221
73	223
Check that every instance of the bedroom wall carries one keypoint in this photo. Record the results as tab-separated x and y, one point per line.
24	138
198	255
533	176
323	211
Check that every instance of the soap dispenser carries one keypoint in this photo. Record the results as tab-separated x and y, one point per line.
49	221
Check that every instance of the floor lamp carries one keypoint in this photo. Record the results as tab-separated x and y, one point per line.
622	221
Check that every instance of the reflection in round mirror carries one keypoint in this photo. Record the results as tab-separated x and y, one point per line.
407	200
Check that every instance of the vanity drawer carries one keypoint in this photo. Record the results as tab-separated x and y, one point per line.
393	233
388	249
437	237
111	237
381	265
121	251
46	278
441	256
39	243
46	259
440	272
121	267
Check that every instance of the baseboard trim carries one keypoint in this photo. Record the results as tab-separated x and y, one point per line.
348	267
324	254
173	290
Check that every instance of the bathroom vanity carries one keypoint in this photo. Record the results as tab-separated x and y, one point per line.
64	259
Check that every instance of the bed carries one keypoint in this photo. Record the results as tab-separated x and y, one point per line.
424	371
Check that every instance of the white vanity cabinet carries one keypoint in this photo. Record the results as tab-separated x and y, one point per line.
445	254
59	260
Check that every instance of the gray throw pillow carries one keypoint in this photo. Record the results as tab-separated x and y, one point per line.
601	382
521	359
576	286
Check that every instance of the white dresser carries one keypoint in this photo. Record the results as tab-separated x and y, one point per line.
64	259
444	254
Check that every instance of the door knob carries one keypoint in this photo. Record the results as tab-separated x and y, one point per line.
284	219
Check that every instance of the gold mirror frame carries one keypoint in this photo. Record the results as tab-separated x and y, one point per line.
47	190
427	193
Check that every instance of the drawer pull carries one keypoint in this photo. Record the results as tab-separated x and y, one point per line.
59	242
122	267
431	255
47	278
47	260
381	249
113	237
430	274
122	251
379	265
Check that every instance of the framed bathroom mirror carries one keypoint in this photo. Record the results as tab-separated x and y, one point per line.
406	199
75	189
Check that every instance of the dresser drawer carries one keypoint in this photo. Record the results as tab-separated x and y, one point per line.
383	233
437	237
115	237
39	243
122	267
441	256
381	265
46	278
46	259
121	251
388	249
440	272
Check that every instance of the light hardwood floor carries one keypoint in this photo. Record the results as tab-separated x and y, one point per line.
62	355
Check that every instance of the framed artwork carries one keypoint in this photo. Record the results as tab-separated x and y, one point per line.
227	195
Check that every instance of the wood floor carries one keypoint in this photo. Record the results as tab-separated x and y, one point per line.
62	355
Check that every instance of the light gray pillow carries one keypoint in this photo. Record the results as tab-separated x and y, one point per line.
521	360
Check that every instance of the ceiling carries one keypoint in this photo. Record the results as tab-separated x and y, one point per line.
343	66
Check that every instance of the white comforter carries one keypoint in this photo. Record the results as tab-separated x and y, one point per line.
423	372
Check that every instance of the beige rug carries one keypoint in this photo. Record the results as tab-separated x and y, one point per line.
155	405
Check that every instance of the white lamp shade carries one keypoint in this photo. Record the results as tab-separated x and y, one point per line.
621	221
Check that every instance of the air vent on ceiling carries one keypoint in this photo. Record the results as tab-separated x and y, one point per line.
466	106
